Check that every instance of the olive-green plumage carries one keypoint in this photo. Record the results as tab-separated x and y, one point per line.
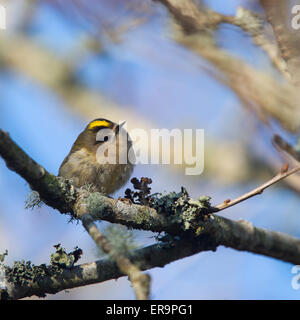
84	165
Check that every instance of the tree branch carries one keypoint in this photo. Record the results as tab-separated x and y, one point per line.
217	230
140	282
57	192
157	255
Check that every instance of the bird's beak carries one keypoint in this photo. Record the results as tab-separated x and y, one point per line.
119	127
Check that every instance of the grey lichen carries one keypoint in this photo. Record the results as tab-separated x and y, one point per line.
179	207
97	204
66	188
33	200
88	187
121	240
58	193
182	209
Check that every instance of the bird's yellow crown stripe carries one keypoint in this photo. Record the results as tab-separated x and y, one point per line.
99	123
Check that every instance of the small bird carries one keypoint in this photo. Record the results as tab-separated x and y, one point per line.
84	166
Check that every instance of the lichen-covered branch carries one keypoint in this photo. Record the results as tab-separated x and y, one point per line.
188	222
239	235
157	255
55	192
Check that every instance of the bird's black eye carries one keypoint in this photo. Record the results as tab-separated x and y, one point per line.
102	140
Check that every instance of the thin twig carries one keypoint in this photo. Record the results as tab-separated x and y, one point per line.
281	175
140	281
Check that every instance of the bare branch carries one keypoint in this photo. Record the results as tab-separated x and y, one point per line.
140	282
